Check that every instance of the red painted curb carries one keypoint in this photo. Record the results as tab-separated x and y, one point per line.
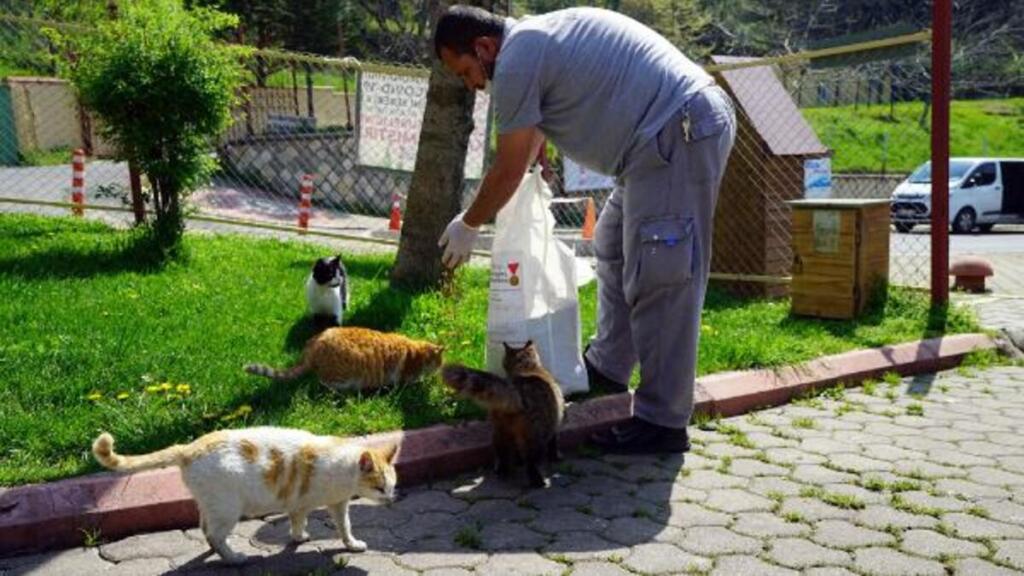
735	393
54	515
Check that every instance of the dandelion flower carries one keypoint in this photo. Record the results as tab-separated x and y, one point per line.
95	396
123	396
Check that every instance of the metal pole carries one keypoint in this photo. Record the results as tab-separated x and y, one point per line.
942	29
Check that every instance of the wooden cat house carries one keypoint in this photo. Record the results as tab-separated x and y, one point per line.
766	169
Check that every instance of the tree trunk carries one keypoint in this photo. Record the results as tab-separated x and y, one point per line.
158	208
435	195
138	202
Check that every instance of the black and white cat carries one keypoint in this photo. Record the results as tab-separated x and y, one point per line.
327	291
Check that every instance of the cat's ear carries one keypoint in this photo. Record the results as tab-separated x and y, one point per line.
366	463
389	452
507	347
336	259
529	344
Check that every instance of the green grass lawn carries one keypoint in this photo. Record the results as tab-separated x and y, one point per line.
335	80
10	69
977	127
53	157
94	340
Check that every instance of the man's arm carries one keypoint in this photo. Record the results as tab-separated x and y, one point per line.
515	152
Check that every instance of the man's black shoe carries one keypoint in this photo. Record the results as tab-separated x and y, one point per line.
598	382
637	436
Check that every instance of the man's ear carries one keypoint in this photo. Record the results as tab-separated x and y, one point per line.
487	48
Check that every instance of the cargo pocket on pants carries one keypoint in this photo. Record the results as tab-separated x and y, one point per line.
666	252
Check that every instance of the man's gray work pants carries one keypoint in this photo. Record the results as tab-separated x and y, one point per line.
653	246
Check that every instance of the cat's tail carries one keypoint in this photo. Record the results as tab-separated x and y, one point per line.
103	450
490	391
278	375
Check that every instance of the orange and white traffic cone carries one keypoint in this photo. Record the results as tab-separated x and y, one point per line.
589	220
395	223
305	201
78	182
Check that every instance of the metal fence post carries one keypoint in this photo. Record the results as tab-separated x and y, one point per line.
941	52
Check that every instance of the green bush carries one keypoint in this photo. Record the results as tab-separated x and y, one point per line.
163	88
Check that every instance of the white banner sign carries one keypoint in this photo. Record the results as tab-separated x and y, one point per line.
818	178
391	108
578	178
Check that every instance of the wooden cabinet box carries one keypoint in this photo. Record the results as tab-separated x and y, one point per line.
840	255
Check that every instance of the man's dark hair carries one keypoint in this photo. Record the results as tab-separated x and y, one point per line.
461	25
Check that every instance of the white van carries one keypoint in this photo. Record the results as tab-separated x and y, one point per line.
983	192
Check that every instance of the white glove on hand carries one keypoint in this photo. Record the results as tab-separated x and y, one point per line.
457	241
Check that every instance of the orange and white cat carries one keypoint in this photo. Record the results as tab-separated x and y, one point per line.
350	358
265	470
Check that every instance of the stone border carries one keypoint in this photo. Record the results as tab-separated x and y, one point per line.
59	514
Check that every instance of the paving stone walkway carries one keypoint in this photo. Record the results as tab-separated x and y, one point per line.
921	476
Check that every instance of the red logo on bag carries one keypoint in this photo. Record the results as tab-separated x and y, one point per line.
512	268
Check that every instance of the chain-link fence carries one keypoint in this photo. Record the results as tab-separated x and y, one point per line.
874	118
847	126
42	122
852	125
349	127
353	128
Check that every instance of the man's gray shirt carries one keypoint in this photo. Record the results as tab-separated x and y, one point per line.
595	82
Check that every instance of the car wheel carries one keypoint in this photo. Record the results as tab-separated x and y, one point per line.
964	221
903	227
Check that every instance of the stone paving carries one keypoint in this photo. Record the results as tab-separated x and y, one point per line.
995	311
920	476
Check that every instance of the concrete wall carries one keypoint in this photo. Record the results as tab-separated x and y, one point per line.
865	185
274	164
46	113
46	116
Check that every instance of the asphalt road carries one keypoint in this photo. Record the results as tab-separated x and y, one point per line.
1003	239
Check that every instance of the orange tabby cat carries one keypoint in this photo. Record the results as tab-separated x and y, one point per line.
360	359
259	471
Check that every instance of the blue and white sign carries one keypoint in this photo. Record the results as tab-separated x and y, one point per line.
578	178
818	178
